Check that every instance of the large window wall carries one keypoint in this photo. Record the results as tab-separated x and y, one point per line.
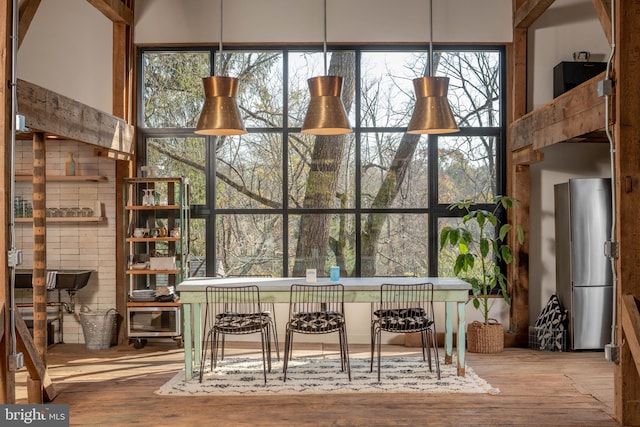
275	201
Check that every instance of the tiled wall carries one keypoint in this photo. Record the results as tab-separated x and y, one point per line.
73	245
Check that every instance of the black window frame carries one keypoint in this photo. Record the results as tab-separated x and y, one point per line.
433	209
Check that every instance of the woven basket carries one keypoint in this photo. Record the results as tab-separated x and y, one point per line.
485	338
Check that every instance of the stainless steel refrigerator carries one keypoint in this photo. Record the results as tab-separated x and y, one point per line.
583	272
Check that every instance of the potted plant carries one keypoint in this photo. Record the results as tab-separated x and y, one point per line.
482	248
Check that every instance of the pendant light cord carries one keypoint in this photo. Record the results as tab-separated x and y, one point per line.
220	42
430	38
324	44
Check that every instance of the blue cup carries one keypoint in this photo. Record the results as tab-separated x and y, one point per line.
334	273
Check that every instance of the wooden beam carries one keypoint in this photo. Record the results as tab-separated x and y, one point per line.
3	311
572	114
631	326
115	10
7	377
39	280
527	156
531	10
123	106
519	275
627	169
603	10
518	186
50	112
36	368
121	71
27	11
519	69
123	170
123	81
113	155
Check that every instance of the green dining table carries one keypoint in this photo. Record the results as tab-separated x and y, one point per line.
453	292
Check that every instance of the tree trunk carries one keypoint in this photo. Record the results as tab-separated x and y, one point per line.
322	182
385	197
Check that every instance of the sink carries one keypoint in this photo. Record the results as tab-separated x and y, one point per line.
66	279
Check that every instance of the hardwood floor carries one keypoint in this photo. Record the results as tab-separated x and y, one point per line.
116	387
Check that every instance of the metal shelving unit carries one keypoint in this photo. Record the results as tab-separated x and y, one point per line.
156	255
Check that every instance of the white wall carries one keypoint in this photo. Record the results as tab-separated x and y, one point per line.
68	49
566	27
301	21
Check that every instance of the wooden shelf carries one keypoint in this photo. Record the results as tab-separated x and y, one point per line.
574	115
152	208
153	239
63	178
153	304
147	271
66	219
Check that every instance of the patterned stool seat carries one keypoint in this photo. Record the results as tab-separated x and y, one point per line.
316	321
403	320
241	322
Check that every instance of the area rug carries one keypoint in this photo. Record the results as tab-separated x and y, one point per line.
244	376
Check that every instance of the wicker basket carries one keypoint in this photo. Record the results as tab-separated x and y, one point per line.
485	338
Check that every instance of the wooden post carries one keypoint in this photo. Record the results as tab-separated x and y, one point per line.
518	187
7	377
123	82
39	247
520	275
34	391
627	180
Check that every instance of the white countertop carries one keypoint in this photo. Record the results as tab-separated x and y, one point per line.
195	284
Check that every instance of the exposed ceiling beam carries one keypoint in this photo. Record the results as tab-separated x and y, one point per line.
115	10
603	9
52	113
27	10
529	12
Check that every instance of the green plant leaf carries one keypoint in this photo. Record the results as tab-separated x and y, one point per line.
459	265
484	247
496	249
506	297
520	233
469	261
444	237
468	217
507	255
503	231
492	219
481	256
454	236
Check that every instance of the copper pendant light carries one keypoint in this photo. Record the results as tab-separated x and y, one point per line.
220	113
432	113
326	114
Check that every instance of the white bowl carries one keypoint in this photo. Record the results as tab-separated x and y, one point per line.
140	266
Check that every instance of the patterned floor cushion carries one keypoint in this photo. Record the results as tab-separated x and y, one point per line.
551	326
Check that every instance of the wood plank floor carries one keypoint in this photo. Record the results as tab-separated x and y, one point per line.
116	387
